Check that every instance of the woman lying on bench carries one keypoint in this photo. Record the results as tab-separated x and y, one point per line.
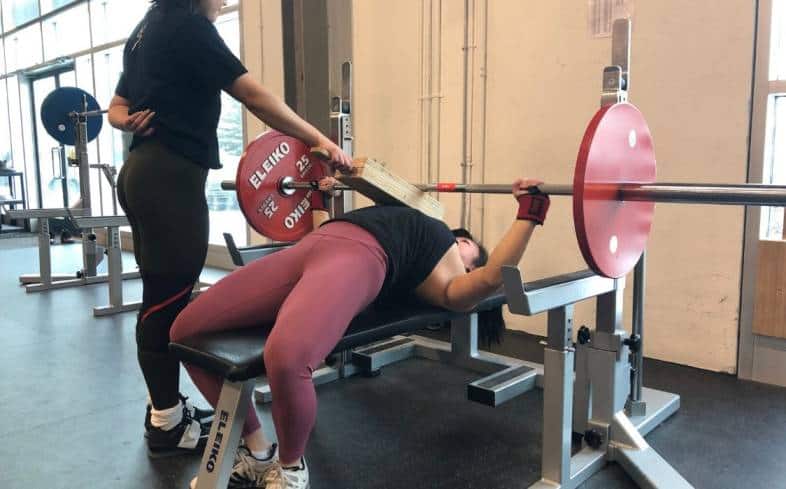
309	293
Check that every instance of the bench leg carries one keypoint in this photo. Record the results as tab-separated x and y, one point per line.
219	456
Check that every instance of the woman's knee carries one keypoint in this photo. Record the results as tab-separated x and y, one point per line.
152	335
180	327
287	359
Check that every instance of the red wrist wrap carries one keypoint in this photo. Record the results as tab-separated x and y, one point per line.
533	207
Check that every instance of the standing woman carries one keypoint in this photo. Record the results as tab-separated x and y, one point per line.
175	66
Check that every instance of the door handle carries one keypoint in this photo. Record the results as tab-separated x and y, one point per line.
57	174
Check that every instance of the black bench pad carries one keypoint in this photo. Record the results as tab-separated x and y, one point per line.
237	355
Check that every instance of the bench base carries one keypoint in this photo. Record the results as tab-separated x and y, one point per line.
507	377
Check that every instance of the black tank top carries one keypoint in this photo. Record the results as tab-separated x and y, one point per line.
413	242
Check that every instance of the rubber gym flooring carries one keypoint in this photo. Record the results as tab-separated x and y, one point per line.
72	406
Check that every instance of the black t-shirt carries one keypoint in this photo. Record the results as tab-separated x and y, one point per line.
413	241
176	64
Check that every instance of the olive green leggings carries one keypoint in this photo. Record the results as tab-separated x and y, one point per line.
163	196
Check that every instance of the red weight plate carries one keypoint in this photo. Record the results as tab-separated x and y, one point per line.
267	160
616	149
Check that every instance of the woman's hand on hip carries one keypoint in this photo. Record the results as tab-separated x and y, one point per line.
139	123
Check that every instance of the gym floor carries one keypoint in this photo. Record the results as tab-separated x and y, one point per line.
73	403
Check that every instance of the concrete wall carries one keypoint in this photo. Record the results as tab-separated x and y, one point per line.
533	84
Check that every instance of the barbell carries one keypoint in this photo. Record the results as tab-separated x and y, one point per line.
690	193
614	190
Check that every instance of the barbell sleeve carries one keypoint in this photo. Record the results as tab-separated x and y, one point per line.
744	194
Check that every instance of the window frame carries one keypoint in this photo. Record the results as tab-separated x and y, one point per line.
763	90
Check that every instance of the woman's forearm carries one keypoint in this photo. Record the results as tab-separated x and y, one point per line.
275	113
464	292
117	115
508	252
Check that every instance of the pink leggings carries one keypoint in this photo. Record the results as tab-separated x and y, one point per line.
308	294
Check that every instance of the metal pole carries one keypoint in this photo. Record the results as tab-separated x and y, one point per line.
89	248
84	167
639	279
635	406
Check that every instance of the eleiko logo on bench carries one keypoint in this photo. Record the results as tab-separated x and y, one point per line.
222	423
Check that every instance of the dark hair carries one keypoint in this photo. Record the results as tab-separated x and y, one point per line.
187	4
491	323
483	254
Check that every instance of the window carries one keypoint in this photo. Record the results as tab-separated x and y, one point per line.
778	41
18	160
225	215
17	12
49	5
108	66
23	48
5	128
65	32
113	20
775	165
17	153
774	170
25	122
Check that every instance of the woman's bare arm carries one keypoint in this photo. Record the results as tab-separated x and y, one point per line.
451	287
119	118
274	112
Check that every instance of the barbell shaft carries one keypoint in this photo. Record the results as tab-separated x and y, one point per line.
89	113
551	189
689	193
686	193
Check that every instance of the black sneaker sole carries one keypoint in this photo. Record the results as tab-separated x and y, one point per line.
165	452
206	420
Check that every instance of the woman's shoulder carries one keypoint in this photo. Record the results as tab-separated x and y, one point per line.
196	23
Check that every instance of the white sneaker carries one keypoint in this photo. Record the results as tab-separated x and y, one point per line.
249	472
288	478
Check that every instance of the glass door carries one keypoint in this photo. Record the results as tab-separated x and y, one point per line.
58	184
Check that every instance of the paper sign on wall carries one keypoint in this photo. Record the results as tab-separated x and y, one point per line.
602	13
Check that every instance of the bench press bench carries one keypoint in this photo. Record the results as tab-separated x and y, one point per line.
237	357
590	403
372	340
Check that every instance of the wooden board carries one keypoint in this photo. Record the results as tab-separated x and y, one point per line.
769	313
379	184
